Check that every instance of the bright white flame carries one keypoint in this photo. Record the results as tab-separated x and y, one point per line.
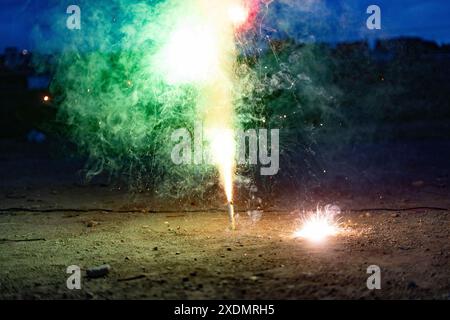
238	14
222	152
318	226
191	55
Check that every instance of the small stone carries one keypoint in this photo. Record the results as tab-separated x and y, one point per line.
368	214
98	272
193	274
228	249
395	215
155	248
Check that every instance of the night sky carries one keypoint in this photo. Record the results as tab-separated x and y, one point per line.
327	20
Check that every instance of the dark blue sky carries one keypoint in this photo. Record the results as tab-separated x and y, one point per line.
320	19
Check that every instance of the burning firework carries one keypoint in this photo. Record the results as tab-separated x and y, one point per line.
203	50
174	64
319	225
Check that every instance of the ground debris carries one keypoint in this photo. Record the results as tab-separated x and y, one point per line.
22	240
138	277
98	272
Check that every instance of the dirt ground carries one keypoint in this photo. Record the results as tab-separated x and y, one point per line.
49	221
194	256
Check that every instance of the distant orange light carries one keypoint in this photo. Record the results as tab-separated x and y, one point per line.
46	98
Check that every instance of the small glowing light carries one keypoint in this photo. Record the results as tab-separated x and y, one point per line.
46	98
238	14
318	226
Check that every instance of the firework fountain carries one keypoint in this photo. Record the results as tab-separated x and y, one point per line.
202	50
158	67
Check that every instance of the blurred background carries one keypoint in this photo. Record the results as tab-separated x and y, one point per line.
368	108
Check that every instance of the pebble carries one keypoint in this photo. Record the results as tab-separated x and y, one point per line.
98	272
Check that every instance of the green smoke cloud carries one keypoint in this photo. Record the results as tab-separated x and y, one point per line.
119	110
